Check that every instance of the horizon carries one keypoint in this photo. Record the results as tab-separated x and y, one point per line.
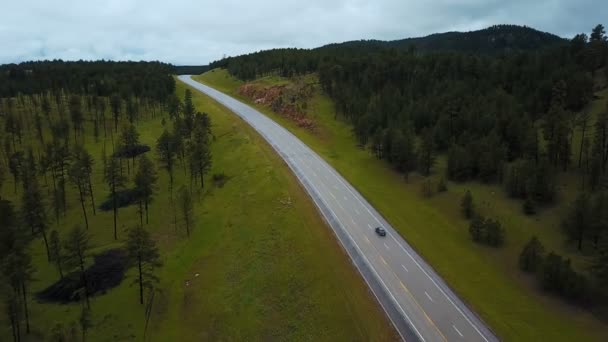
188	33
288	47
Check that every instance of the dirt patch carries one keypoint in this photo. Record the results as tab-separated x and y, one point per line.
290	100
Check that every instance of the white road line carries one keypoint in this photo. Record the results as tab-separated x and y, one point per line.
357	212
458	331
412	325
427	296
441	290
314	173
337	177
386	246
405	268
366	239
345	198
369	225
332	195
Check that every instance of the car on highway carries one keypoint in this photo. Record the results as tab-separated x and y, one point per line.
380	231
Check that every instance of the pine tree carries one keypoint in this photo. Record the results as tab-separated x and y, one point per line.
145	184
165	147
115	180
144	254
76	245
56	252
186	207
466	205
531	256
77	175
426	152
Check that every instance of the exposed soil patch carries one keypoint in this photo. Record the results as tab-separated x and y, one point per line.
290	100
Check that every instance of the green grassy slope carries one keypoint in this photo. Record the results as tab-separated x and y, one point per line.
488	279
268	267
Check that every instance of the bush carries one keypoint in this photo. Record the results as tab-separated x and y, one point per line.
486	231
467	205
557	276
476	228
494	233
219	179
426	188
442	185
529	207
531	256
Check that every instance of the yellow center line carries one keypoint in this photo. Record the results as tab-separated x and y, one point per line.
421	309
411	295
384	261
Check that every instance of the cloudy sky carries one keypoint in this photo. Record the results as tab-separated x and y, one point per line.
200	31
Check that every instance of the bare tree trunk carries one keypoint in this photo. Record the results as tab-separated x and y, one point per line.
141	213
91	194
580	153
146	204
115	214
84	279
46	243
84	211
141	283
27	313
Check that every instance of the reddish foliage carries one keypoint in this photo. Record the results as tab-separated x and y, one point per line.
281	99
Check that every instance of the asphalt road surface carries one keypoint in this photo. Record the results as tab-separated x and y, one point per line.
418	302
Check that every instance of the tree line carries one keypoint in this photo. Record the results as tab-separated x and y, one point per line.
151	80
508	117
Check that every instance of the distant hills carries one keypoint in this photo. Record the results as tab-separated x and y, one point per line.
190	69
494	39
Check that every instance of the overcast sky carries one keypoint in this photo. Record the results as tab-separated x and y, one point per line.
197	32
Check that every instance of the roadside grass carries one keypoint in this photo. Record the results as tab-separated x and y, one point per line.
268	266
487	279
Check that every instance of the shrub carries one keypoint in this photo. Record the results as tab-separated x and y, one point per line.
467	205
531	256
426	188
476	228
557	276
442	185
219	179
486	231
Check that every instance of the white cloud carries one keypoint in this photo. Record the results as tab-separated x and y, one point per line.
197	32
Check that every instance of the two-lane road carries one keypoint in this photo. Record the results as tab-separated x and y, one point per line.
417	301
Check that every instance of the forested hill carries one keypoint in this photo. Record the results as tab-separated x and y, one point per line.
492	40
151	80
509	118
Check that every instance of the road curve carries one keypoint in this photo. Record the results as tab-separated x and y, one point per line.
417	301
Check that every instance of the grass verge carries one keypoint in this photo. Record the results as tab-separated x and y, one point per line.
260	264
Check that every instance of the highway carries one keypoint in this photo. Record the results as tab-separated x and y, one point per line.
417	301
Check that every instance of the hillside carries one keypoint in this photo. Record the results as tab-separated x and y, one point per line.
494	39
434	225
252	260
